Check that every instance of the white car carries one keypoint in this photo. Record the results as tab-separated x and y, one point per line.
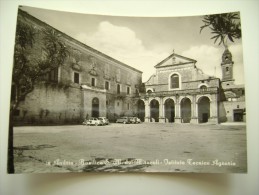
104	120
94	121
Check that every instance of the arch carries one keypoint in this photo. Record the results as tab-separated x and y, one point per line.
167	98
153	98
198	98
141	110
154	110
149	91
203	84
152	90
95	107
186	110
174	81
169	110
185	97
203	109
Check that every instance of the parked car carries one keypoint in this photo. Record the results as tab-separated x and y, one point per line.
138	120
104	120
94	121
123	120
135	120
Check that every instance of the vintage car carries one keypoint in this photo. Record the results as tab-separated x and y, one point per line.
94	121
123	120
104	120
134	120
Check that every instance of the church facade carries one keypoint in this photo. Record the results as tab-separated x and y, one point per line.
92	84
179	92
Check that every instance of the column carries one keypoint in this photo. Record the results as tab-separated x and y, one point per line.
194	118
214	110
161	111
177	117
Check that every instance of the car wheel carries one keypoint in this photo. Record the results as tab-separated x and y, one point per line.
96	124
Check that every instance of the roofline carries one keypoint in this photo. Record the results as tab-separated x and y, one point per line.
174	64
174	54
149	78
78	42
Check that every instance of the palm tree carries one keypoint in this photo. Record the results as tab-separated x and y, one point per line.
223	26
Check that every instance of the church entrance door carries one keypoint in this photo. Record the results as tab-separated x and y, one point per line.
154	111
186	110
203	109
169	110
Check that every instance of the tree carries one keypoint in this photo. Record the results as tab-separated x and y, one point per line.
29	69
223	26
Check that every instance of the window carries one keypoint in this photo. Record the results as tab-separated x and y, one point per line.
227	69
129	77
76	77
118	89
53	75
203	88
128	90
118	103
149	91
174	81
118	75
93	82
128	106
107	70
107	85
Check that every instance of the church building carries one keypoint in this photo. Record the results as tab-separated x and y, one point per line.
180	92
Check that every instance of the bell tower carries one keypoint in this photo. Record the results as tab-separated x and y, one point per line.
227	68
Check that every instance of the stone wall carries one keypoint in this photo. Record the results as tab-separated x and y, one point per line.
226	110
50	103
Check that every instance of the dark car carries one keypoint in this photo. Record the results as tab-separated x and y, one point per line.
123	120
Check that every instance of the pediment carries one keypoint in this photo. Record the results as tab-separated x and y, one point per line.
175	60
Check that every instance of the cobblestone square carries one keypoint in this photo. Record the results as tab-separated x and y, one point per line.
146	147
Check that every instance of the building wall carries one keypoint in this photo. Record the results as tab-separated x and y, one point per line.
226	110
69	101
50	103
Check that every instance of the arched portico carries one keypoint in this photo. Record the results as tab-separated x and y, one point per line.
169	110
203	109
186	110
154	110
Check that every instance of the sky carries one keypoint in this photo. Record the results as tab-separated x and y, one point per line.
142	42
